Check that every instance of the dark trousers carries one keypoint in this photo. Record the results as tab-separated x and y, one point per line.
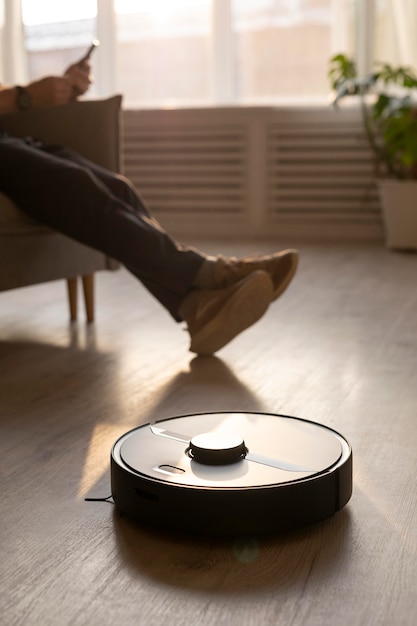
88	203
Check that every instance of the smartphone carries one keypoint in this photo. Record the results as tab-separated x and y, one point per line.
90	50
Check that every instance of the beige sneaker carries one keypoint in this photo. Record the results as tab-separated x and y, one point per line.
281	266
215	316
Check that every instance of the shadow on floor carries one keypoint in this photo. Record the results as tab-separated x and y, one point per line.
235	565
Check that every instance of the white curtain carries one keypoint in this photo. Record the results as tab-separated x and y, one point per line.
404	20
13	58
106	58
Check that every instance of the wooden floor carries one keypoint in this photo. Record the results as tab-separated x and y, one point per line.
340	347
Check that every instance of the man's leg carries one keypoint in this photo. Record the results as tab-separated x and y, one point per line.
72	200
103	211
215	272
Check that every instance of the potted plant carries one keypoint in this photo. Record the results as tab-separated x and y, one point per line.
388	103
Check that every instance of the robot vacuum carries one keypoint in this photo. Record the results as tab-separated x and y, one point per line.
231	473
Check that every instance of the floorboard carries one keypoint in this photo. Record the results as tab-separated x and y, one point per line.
340	347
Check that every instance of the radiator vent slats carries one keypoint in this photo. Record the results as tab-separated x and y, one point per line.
254	171
197	168
320	170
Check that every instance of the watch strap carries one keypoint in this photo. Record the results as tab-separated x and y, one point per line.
24	101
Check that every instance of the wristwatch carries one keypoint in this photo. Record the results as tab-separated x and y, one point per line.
24	101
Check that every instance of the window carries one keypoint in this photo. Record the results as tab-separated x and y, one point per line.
204	52
163	51
282	49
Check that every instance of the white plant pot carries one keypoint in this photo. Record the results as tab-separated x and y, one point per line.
399	209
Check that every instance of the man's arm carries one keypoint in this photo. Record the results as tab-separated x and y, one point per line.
49	91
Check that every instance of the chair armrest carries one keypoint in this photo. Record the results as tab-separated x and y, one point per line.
91	127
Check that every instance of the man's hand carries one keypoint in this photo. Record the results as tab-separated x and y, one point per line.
79	75
49	91
54	90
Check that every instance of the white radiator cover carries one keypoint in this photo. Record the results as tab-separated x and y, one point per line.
255	172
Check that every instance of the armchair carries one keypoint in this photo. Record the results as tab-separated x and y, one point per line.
31	253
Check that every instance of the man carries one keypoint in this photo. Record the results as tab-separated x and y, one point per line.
217	297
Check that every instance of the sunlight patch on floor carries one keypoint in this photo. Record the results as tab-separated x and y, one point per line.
97	461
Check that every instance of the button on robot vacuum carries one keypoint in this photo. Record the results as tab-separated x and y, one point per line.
217	448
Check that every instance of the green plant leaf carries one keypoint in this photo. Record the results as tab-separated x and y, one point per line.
341	69
390	120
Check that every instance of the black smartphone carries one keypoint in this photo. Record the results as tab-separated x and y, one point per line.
90	50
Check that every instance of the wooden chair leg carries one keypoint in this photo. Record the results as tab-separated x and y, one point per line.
72	297
88	289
